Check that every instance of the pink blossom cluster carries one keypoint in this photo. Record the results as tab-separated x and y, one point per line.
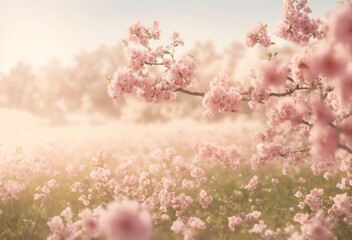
18	169
252	184
140	34
307	99
235	222
340	25
174	75
298	93
272	73
296	25
313	199
163	187
89	223
262	229
258	35
187	227
226	155
63	227
221	97
267	152
205	199
315	227
342	205
123	219
126	220
45	190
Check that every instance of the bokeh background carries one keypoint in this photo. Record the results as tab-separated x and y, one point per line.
55	57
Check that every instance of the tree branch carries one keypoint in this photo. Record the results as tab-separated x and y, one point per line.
290	79
344	147
189	92
306	123
289	92
153	64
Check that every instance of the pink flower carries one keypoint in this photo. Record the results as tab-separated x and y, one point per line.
196	223
344	88
126	220
56	225
187	227
181	73
183	201
197	172
234	222
313	199
301	66
274	73
226	155
176	39
252	184
178	226
346	127
275	181
301	218
298	194
326	61
262	229
167	62
61	230
340	25
342	205
90	224
286	110
253	216
323	115
258	34
154	31
137	59
324	140
295	24
221	97
141	34
153	86
51	183
188	184
122	82
205	199
317	227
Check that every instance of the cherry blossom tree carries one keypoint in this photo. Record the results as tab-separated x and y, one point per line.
307	98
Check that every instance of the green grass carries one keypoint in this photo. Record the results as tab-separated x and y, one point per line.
24	219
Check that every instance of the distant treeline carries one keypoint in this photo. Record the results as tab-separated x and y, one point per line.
55	91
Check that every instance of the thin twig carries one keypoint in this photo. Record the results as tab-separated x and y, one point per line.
153	64
289	92
307	123
344	147
190	92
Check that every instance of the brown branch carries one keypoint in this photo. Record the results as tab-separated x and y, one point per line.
344	147
290	79
171	54
307	123
304	149
153	64
289	92
189	92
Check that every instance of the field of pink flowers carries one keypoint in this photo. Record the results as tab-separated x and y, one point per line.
277	166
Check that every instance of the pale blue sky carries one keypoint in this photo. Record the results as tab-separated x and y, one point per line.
35	31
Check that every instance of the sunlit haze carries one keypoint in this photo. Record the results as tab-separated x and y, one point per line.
35	31
188	119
